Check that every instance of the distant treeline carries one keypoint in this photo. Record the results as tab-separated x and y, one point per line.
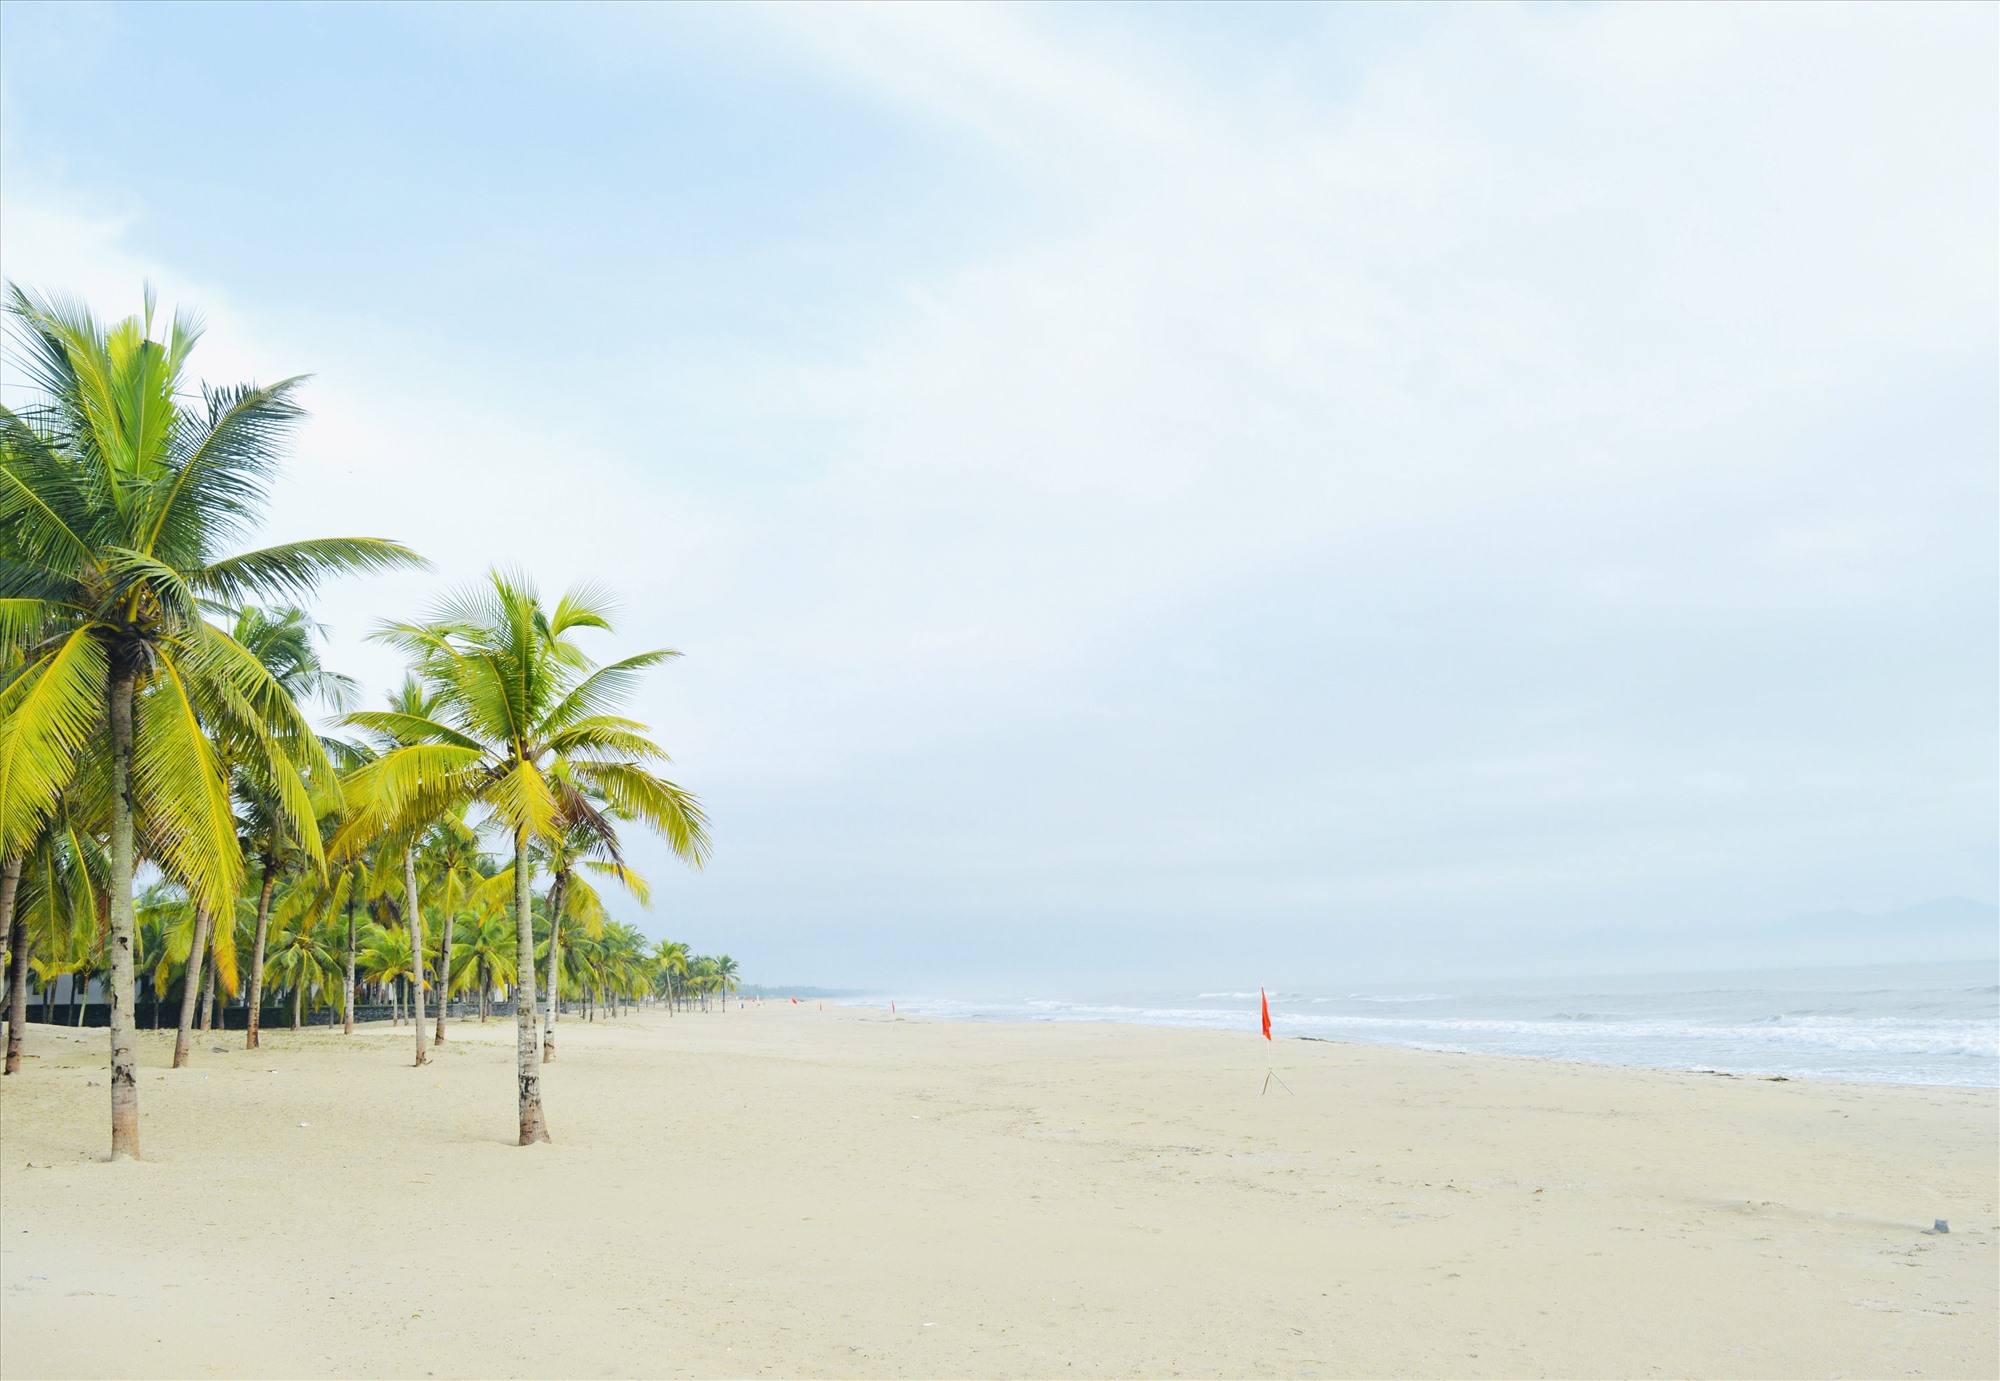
760	990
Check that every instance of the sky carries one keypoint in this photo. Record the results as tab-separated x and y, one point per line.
1145	494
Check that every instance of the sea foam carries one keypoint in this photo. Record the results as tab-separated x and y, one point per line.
1918	1023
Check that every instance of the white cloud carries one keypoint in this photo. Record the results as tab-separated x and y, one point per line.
1508	333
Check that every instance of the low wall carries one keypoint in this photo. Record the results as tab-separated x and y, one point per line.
236	1018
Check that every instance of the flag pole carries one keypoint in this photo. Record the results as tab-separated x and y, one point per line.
1270	1070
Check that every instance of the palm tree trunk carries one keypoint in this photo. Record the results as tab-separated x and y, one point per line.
347	982
555	989
558	897
191	984
10	878
444	976
124	1048
251	1020
18	953
533	1126
416	917
298	1004
208	978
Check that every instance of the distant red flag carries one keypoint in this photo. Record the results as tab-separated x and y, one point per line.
1267	1013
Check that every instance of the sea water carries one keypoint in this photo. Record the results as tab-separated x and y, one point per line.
1890	1023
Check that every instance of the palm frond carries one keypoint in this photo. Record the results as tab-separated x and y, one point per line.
641	890
589	605
295	569
219	470
399	728
674	812
181	794
605	687
408	785
47	716
520	799
42	509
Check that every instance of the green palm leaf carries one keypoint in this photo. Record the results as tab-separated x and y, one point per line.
179	787
48	714
117	498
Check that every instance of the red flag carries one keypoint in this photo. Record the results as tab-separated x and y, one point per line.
1267	1013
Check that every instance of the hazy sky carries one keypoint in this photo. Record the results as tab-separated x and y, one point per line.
1144	493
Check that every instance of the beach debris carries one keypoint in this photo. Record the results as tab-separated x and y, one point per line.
305	1124
217	1050
1940	1226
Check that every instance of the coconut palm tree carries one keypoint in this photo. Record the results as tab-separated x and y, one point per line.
336	896
349	880
173	956
586	841
485	957
119	495
10	935
670	968
580	971
701	979
625	964
524	731
384	904
404	836
454	869
58	911
387	960
147	943
305	960
284	642
59	885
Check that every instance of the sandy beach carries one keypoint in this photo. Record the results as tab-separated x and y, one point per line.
776	1191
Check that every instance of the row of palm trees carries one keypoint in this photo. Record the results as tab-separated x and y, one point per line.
601	968
155	689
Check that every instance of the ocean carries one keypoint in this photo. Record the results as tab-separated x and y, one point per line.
1933	1023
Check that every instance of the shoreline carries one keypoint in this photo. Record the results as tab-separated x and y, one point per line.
776	1190
1748	1075
1932	1024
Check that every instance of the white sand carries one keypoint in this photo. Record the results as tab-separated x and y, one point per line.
778	1192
